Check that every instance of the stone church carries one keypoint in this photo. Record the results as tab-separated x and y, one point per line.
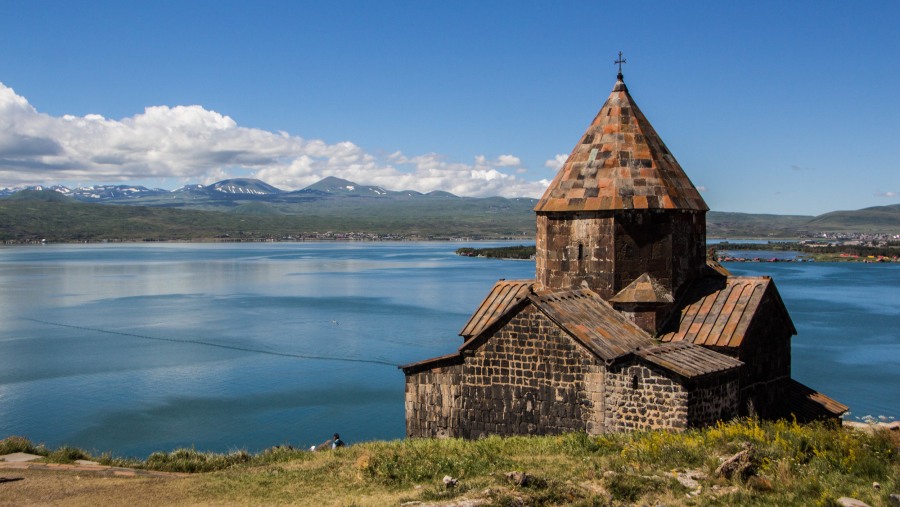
626	325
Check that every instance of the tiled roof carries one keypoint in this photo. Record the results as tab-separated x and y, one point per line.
504	295
717	311
620	163
809	405
645	289
592	321
687	359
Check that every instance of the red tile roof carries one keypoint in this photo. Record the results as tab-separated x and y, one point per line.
593	322
688	360
717	312
620	163
504	295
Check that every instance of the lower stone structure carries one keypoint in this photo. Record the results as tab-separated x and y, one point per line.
526	376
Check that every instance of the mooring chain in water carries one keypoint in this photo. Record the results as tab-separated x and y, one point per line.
211	344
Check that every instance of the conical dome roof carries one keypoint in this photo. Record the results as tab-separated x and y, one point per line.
620	164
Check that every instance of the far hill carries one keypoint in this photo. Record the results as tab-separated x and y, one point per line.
244	186
338	186
338	205
875	219
721	224
35	216
40	195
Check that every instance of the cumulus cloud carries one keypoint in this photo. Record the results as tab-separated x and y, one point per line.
887	194
508	161
556	162
193	144
701	188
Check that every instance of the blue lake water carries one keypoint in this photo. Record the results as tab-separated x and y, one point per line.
137	348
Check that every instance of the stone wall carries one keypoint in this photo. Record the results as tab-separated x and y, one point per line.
715	398
670	245
639	397
432	397
766	353
575	247
609	250
528	377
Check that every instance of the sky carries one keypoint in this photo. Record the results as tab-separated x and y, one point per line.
769	107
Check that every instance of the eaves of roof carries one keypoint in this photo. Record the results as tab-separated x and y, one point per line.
688	360
807	404
434	362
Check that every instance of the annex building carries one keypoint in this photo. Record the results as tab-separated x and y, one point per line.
627	325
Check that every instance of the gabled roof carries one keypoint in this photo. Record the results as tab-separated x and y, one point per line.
688	360
808	405
644	289
620	163
717	311
593	322
504	295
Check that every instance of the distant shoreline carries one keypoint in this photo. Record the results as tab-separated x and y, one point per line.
807	253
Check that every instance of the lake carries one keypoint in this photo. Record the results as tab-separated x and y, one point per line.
142	347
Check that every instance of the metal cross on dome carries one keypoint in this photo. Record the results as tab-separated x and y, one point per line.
619	62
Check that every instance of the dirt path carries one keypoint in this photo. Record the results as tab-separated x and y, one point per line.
86	484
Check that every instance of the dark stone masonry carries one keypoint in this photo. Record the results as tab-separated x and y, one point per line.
626	325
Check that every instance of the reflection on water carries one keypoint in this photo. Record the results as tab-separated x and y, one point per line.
136	348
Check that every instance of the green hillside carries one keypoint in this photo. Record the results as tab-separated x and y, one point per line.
46	215
721	224
875	219
330	207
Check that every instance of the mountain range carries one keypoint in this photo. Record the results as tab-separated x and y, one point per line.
225	191
335	204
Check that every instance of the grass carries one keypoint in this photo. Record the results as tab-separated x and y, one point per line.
796	465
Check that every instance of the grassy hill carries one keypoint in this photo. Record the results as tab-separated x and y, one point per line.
340	207
789	465
721	224
46	215
875	219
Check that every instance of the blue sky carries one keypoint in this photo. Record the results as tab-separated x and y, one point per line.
770	107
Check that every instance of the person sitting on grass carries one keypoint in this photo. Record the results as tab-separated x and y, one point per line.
337	442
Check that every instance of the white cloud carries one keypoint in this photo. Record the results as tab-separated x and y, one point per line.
887	194
556	162
508	161
701	188
193	144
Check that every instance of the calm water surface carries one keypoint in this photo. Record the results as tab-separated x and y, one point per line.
137	348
